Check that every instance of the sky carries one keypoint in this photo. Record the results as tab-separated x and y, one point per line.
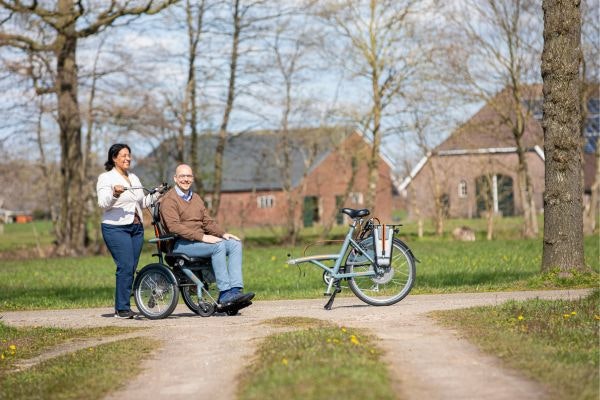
150	49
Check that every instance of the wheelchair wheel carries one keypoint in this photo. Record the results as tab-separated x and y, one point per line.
190	298
395	282
155	291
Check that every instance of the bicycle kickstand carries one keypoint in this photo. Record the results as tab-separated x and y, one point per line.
336	290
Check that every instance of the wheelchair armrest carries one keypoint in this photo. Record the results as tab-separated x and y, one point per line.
163	238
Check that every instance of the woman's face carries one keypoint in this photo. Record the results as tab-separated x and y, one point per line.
123	159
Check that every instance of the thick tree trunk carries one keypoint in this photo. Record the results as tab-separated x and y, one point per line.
563	203
70	228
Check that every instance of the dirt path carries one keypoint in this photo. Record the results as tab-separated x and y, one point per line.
202	356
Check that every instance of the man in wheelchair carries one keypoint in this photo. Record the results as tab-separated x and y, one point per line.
184	214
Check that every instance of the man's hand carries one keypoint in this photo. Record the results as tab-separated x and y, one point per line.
228	236
211	239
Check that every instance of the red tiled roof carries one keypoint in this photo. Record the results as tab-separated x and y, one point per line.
491	126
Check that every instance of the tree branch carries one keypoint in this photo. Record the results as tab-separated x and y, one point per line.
107	17
22	42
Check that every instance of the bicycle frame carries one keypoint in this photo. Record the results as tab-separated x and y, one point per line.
334	271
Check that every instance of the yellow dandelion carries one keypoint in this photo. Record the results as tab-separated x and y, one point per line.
273	258
284	361
566	316
335	340
520	318
2	356
573	312
343	329
12	347
354	340
328	340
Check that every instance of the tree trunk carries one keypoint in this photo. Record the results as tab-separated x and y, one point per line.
563	203
194	31
70	229
490	226
220	150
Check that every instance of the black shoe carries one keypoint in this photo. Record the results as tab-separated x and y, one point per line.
244	297
124	314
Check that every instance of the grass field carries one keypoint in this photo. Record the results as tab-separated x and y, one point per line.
445	266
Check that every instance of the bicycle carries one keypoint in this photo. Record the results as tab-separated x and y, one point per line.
380	268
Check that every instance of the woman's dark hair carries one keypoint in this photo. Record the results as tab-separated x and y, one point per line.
114	152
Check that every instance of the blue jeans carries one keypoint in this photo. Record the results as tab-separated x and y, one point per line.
125	245
227	275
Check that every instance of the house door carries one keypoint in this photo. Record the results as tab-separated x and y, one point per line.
506	198
495	193
310	211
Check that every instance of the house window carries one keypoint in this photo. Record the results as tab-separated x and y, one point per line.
462	189
265	201
356	197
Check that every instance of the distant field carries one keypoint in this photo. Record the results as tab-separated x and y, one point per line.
446	266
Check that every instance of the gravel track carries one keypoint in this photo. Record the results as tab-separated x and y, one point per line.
201	357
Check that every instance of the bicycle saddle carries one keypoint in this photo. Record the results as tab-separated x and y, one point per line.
352	213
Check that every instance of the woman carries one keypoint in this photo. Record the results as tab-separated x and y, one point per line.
121	198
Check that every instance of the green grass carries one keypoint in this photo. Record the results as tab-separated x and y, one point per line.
317	363
446	266
17	344
493	265
18	237
554	342
89	373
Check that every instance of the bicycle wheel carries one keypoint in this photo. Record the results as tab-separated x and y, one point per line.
389	288
155	291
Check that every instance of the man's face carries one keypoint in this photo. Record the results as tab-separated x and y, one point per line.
184	178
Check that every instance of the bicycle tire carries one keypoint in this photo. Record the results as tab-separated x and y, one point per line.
156	291
393	286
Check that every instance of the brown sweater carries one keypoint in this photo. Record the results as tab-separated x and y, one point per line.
190	220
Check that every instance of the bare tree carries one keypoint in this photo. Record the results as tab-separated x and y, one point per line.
194	21
499	51
378	34
563	203
54	33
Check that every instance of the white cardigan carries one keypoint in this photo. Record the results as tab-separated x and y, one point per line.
121	210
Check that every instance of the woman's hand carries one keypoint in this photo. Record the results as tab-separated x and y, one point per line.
117	190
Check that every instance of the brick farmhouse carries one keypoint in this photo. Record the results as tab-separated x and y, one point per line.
479	161
321	178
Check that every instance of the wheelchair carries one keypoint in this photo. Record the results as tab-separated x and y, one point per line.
157	286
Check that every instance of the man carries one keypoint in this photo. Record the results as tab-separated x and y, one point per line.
184	214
